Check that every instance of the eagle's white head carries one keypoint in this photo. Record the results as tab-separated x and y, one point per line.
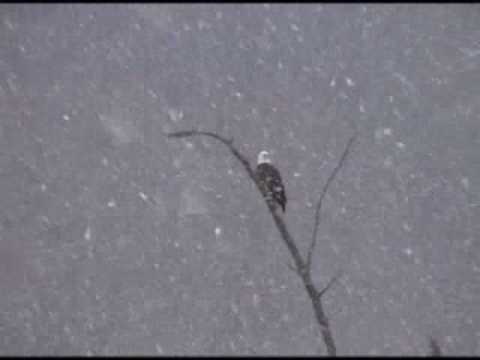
263	157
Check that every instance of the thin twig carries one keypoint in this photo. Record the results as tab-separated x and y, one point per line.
322	196
228	142
332	281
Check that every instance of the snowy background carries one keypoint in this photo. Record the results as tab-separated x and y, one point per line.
115	240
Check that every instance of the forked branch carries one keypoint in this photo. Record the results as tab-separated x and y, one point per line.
287	238
332	281
318	208
301	266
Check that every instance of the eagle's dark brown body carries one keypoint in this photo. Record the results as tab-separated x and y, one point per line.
271	184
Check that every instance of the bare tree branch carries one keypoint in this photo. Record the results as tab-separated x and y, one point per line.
300	265
322	196
332	281
227	142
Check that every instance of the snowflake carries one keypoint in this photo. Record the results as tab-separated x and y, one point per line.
387	131
350	82
88	234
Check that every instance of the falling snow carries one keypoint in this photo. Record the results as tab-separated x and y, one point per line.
117	240
382	132
175	115
388	162
88	233
159	349
406	227
256	300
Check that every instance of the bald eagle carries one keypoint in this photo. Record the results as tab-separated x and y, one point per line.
270	181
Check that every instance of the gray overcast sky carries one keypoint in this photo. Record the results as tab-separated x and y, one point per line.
115	240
